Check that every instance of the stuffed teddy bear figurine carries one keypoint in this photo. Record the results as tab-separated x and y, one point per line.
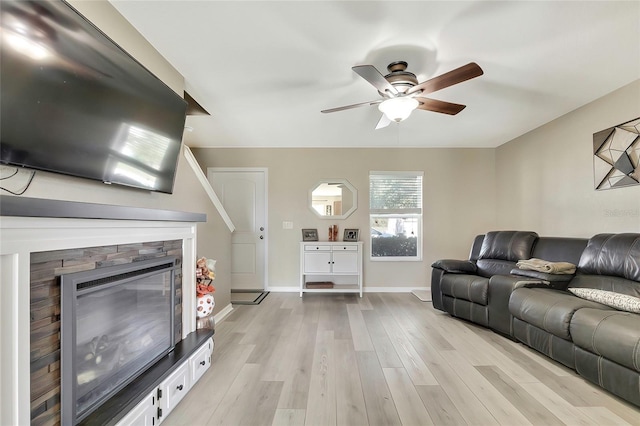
205	274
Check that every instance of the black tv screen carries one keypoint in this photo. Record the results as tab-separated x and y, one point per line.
74	102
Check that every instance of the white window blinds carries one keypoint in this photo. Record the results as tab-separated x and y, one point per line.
395	193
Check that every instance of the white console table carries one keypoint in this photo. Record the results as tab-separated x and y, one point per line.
331	261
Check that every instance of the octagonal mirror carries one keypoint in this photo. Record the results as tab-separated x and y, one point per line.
333	199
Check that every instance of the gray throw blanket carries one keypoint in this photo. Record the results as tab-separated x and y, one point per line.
540	265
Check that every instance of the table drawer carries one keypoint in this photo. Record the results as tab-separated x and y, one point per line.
345	248
317	248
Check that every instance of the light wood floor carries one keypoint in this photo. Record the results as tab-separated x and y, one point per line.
384	359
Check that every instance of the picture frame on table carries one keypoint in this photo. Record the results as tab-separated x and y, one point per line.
351	235
309	234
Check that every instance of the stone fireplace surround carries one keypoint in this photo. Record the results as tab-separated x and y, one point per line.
30	226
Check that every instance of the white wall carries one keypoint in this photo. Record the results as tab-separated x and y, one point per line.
545	180
459	198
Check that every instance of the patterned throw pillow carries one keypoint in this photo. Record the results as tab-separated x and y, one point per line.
619	301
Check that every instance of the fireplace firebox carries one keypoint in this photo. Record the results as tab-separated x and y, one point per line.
116	322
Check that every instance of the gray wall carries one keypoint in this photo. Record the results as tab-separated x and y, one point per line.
545	178
459	198
540	181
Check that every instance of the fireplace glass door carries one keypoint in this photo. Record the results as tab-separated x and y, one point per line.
114	327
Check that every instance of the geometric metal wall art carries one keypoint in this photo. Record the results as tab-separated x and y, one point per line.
616	156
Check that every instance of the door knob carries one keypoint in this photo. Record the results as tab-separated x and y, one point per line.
262	228
262	237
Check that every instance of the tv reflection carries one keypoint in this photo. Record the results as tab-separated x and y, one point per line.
138	155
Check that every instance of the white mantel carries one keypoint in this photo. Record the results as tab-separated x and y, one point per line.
20	236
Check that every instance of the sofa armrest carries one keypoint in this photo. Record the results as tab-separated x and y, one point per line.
453	266
500	289
443	267
556	281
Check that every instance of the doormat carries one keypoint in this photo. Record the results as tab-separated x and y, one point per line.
424	295
247	297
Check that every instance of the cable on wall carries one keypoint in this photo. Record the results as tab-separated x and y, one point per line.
17	170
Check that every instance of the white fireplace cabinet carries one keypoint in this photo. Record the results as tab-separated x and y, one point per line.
154	408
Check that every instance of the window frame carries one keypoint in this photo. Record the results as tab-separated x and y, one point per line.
412	213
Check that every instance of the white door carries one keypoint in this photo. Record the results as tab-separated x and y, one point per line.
243	195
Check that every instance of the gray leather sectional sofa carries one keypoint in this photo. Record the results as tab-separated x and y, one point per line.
599	339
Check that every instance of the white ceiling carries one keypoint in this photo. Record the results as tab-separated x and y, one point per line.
265	69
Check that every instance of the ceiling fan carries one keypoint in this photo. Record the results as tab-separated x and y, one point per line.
402	93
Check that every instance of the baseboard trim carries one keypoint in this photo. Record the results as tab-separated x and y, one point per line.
220	316
393	289
364	289
284	289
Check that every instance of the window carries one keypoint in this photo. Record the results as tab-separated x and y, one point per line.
395	214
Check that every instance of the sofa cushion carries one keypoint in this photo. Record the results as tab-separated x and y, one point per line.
616	255
502	249
507	245
490	267
559	249
618	301
467	287
612	334
606	282
547	309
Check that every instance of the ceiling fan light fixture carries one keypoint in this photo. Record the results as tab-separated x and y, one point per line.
398	109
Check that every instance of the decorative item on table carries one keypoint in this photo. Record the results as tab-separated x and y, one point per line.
333	233
309	235
205	274
351	235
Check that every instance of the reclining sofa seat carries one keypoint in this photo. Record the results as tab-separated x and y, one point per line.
464	285
601	343
501	281
551	249
445	266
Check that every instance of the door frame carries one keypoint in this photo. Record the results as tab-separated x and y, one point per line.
265	171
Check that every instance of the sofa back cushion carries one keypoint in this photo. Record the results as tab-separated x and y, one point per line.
490	267
502	249
610	262
616	255
559	249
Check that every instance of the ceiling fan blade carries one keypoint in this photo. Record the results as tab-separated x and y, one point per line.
464	73
342	108
383	122
439	106
373	76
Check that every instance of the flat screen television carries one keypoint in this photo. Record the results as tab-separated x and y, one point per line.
74	102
